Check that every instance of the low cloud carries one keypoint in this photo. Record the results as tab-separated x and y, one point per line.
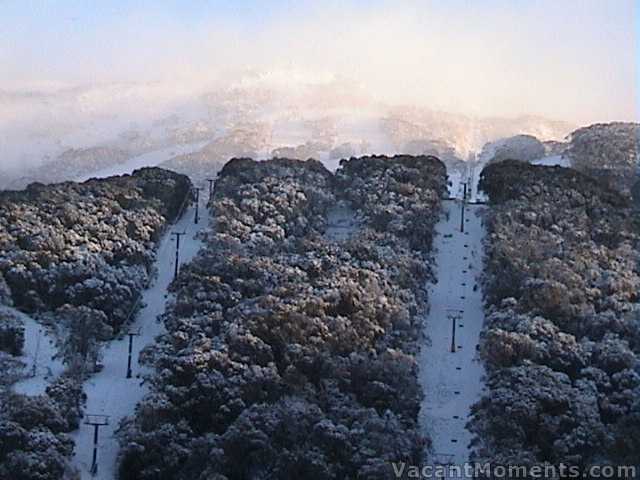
99	72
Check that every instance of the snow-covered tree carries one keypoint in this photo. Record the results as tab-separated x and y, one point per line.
525	148
85	244
287	354
561	340
84	329
607	151
11	333
34	444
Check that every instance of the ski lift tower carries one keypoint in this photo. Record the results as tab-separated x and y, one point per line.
131	334
177	265
97	421
454	314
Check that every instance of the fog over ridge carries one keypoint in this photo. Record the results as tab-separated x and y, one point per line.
86	77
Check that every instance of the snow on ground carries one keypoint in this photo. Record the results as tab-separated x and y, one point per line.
109	392
474	172
455	178
452	381
470	174
341	223
149	159
38	352
553	160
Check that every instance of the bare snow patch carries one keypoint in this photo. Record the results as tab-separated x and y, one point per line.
470	175
342	222
38	355
455	182
553	160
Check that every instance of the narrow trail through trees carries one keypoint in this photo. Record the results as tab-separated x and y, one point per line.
109	392
342	223
450	370
41	368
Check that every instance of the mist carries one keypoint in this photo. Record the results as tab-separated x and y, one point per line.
76	75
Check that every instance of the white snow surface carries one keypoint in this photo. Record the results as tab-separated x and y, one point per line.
149	159
553	160
109	392
476	195
453	381
442	373
469	174
342	223
455	178
38	355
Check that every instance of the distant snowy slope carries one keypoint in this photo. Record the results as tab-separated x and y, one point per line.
149	159
553	160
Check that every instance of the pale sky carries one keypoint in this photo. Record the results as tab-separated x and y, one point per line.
573	60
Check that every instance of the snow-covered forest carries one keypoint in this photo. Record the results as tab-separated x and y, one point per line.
88	245
76	257
562	337
319	240
289	354
608	152
289	345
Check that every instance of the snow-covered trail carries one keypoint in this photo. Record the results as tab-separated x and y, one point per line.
149	159
553	160
475	195
470	175
342	223
109	392
37	354
452	380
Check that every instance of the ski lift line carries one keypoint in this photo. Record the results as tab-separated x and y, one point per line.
139	300
36	354
131	334
177	260
211	181
166	227
443	459
451	422
197	217
140	296
96	421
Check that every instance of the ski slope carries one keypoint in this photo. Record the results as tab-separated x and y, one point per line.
342	223
455	182
470	175
553	160
453	380
38	353
475	195
149	159
109	392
